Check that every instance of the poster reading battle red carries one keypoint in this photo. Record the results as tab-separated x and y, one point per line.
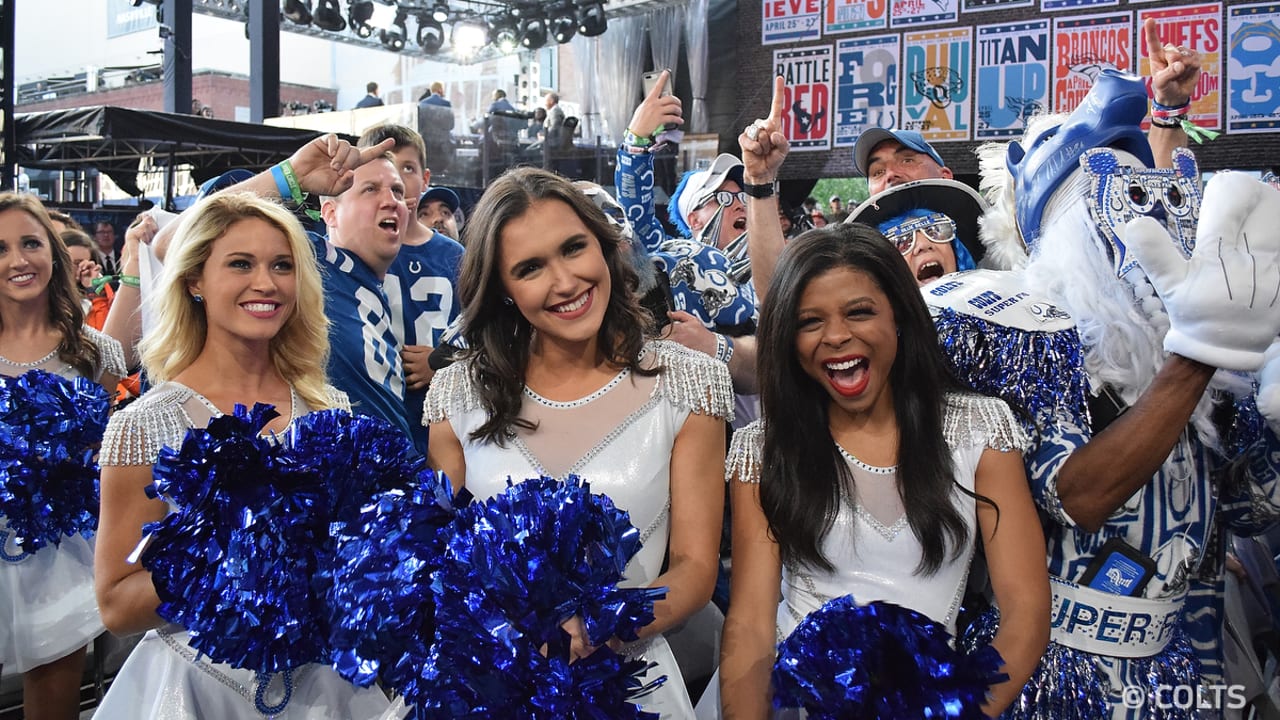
808	74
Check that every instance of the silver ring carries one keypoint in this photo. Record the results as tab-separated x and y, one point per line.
752	131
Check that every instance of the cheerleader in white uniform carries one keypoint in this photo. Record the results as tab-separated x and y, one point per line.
239	320
48	614
559	380
869	473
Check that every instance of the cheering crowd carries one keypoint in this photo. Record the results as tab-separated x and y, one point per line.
965	454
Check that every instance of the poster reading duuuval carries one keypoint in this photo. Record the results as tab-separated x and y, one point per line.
1082	48
1253	53
1011	82
867	86
937	99
808	74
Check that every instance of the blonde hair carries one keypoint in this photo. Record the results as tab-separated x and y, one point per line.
300	351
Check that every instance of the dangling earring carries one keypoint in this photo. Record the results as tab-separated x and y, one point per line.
198	298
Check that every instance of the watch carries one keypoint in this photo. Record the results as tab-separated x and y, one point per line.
764	190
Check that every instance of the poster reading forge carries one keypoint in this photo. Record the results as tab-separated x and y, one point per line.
1082	48
806	120
866	86
1012	77
936	96
1253	54
1198	27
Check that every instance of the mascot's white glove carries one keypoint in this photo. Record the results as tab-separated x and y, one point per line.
1269	387
1223	303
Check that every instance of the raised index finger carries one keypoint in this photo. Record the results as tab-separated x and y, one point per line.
1155	47
374	151
779	101
658	87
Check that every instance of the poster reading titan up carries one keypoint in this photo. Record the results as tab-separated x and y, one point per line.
1012	79
936	98
1198	27
1082	48
807	74
1253	54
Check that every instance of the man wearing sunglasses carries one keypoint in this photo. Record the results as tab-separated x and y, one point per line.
709	205
933	223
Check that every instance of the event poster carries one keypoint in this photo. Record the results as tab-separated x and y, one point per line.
1052	5
849	15
980	5
807	74
914	13
866	86
787	21
1198	27
1082	47
1011	79
936	98
1253	51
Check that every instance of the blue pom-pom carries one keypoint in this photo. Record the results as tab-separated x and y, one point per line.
518	566
241	564
50	430
880	661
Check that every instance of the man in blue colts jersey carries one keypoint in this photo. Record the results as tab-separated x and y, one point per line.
365	213
422	281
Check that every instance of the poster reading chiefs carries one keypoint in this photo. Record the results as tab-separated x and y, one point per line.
1011	82
866	86
914	13
936	98
1198	27
808	74
1253	53
849	15
1082	47
787	21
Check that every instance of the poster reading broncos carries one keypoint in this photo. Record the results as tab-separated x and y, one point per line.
1012	79
936	97
1082	47
807	74
1253	53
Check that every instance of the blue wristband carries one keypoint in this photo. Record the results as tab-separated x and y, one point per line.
282	183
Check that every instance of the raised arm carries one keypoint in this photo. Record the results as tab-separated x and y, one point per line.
634	176
764	147
1175	70
323	166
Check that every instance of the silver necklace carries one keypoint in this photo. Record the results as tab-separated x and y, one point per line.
34	363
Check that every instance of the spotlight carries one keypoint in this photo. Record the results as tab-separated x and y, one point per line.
504	33
440	12
592	20
358	14
468	37
298	11
533	33
394	36
329	17
563	23
430	35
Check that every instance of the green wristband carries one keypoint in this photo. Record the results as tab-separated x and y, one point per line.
132	281
295	190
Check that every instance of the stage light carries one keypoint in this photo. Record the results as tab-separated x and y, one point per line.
592	20
430	35
504	33
563	23
358	14
468	37
440	13
297	12
533	33
329	17
393	37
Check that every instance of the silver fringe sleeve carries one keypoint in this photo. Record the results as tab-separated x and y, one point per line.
450	393
338	399
136	434
972	419
110	351
694	380
745	454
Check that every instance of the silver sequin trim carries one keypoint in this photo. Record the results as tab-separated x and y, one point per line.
558	405
745	454
185	652
873	469
976	418
112	354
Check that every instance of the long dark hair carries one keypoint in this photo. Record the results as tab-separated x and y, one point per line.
803	472
498	337
65	311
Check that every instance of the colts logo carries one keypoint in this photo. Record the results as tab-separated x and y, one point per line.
1119	193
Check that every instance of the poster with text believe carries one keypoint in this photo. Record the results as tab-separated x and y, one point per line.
787	21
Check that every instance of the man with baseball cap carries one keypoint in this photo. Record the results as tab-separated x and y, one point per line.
892	157
709	205
437	209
